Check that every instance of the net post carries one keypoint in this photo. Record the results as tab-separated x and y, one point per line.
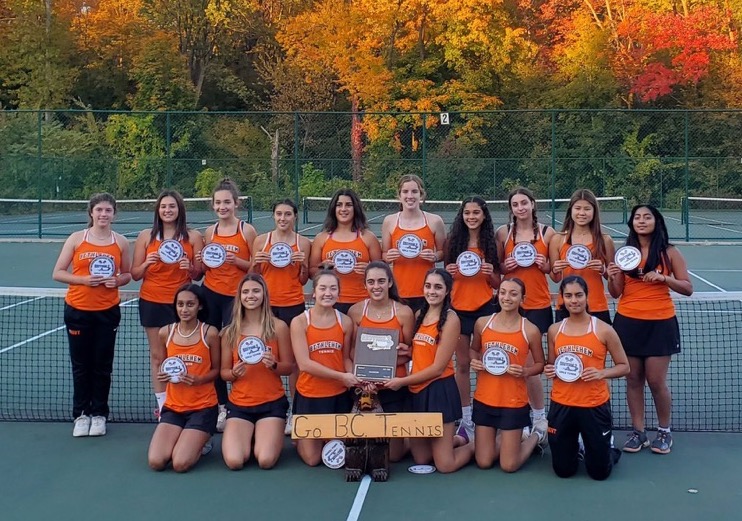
249	209
625	207
305	210
425	147
168	146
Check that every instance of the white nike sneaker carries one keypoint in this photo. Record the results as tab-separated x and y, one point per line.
82	426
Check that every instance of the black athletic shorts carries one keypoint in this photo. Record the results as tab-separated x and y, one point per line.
275	409
200	420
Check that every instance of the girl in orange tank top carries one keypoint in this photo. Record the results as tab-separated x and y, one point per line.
646	323
321	341
412	240
188	417
257	402
345	245
582	228
580	403
99	262
163	275
431	380
220	283
504	341
472	238
384	310
524	230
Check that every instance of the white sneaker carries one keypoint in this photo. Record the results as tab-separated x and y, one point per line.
543	438
208	446
289	424
221	420
82	426
541	424
98	426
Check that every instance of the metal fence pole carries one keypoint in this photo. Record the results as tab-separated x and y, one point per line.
296	156
39	167
553	168
425	147
687	175
168	139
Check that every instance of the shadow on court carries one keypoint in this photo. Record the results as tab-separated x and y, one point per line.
50	475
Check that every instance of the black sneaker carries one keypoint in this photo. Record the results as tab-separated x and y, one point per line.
636	442
662	443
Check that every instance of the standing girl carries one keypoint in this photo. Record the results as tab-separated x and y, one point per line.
580	405
347	245
383	310
189	414
163	274
412	241
530	242
646	322
100	263
432	379
220	283
321	340
471	258
504	340
582	228
256	413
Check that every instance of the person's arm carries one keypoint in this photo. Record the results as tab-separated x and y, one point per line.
228	372
542	261
286	365
124	275
302	256
439	232
162	335
301	354
355	313
407	319
679	279
443	355
374	251
259	257
388	252
142	261
248	233
61	272
537	351
196	268
549	369
507	264
212	340
316	262
620	362
616	280
557	265
347	346
475	350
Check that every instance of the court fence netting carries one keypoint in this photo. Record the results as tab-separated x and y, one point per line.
35	376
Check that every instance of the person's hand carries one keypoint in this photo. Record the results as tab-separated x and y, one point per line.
510	264
541	261
394	384
350	380
559	266
452	268
360	268
392	254
403	349
428	255
185	263
592	374
93	280
515	370
231	258
476	365
550	371
189	379
487	268
151	258
298	256
111	282
260	257
163	377
653	276
596	265
269	359
613	269
239	370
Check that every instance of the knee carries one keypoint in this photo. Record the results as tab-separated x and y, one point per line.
564	471
508	466
181	466
484	462
267	462
157	464
445	468
598	473
234	463
657	382
311	459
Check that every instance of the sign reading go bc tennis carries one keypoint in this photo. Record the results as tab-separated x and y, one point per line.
251	350
410	246
344	261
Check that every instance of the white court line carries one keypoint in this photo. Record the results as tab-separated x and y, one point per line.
603	226
716	226
707	282
719	271
355	510
311	228
46	333
20	303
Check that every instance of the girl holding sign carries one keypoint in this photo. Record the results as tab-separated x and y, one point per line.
644	272
226	259
100	263
383	310
321	340
503	342
347	245
583	249
471	258
164	256
523	246
412	241
256	352
432	379
580	398
189	413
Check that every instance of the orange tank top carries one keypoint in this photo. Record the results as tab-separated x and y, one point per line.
93	298
471	293
326	348
392	323
352	288
225	278
504	390
537	288
259	384
161	280
424	347
646	300
409	273
283	284
592	353
197	358
596	299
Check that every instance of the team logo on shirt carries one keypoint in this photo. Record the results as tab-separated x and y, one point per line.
575	349
422	338
326	346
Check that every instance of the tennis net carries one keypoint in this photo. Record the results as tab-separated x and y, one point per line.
35	375
613	210
59	217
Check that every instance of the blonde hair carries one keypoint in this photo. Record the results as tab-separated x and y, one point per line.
231	332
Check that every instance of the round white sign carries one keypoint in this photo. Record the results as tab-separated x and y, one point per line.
102	265
410	246
524	254
627	258
333	454
280	254
251	350
568	367
170	251
578	256
344	261
469	263
496	361
174	367
214	255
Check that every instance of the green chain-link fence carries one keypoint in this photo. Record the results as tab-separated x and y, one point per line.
685	162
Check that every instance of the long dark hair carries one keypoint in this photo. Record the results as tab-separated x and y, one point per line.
359	218
448	281
458	237
181	224
595	230
103	197
658	244
381	265
196	289
521	190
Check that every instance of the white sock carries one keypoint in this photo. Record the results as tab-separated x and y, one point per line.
663	429
537	414
160	400
466	412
